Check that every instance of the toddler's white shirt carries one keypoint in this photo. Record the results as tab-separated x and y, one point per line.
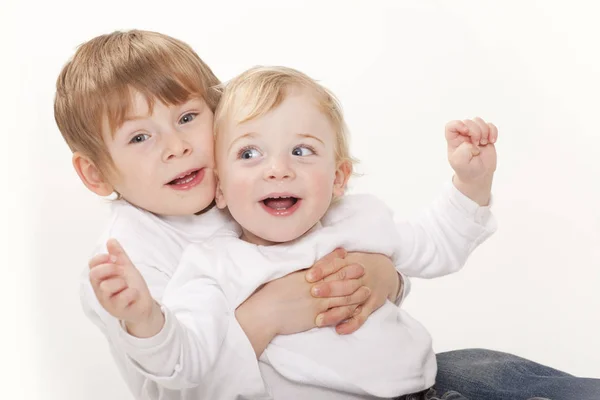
203	348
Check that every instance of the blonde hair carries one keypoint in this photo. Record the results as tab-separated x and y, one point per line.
260	89
97	84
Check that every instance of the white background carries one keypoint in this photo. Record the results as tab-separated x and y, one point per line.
401	70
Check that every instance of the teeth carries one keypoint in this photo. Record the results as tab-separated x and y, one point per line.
189	178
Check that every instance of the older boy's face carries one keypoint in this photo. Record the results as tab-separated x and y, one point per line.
277	172
164	157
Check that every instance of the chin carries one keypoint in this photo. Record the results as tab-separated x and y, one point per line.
285	236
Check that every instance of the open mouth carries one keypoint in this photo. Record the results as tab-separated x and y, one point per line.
281	205
187	180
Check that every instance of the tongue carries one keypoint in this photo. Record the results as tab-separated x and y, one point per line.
179	181
280	204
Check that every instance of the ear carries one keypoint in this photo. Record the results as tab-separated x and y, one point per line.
219	197
342	174
91	176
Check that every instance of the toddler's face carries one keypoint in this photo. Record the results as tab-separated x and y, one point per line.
164	157
278	172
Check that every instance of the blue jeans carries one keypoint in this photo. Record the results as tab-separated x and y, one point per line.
479	374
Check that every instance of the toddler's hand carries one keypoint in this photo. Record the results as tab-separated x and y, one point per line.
472	156
123	292
471	149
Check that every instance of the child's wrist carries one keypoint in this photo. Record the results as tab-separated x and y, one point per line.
149	326
396	289
480	190
257	324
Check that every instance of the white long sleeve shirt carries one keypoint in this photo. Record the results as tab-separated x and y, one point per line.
203	350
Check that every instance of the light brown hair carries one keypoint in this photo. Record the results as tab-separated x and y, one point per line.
94	89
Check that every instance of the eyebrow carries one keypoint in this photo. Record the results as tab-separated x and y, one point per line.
308	135
129	118
248	135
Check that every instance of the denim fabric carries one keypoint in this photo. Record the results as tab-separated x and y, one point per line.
480	374
432	395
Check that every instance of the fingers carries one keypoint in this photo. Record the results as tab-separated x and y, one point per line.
336	288
493	133
359	296
124	299
454	128
103	272
485	131
99	259
474	131
117	254
464	153
352	271
356	320
113	286
326	266
336	315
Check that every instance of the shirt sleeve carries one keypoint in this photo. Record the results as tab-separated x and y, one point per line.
440	240
200	332
112	329
435	243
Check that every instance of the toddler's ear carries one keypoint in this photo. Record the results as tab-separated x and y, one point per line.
219	198
342	174
91	176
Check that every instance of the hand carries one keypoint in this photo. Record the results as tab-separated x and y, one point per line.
472	156
286	306
123	292
380	277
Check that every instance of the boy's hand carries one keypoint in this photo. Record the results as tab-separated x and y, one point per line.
380	277
286	305
472	156
123	292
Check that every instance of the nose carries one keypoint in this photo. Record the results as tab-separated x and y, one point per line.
279	169
175	146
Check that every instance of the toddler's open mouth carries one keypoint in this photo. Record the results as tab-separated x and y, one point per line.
280	203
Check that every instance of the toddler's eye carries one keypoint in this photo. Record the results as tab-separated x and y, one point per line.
189	117
142	137
302	151
247	154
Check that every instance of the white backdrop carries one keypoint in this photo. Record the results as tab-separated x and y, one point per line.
401	70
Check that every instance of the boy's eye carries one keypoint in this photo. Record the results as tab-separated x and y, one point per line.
139	138
189	117
302	151
247	154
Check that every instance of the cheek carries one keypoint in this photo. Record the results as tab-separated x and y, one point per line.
236	185
206	146
133	171
322	178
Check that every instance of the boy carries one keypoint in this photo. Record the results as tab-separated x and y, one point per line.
136	109
282	157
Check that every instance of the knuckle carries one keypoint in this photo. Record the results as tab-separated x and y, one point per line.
349	311
340	252
365	294
104	286
360	318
